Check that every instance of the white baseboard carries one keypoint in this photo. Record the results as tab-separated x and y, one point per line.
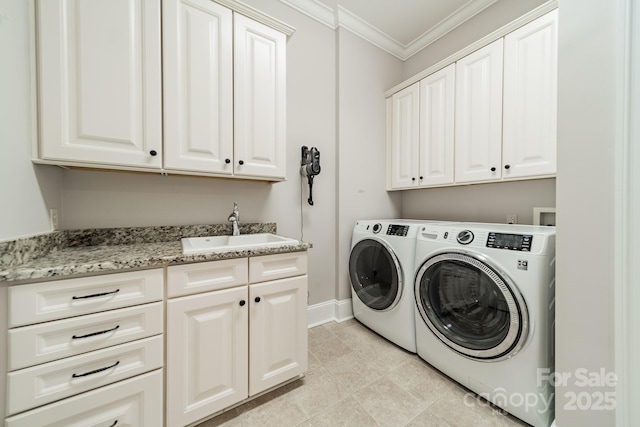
329	311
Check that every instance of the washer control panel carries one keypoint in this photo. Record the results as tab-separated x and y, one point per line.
514	242
397	230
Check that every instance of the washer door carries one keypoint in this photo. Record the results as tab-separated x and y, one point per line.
376	275
471	307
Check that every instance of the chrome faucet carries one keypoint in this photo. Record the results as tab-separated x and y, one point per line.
235	219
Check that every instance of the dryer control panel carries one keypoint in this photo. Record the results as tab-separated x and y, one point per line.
514	242
397	230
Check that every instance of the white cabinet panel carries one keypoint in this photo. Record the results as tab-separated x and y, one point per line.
478	118
207	351
278	332
436	127
277	266
405	135
206	276
130	403
198	86
260	99
44	301
99	81
46	383
530	98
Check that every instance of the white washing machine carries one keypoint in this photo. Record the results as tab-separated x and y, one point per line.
485	312
381	268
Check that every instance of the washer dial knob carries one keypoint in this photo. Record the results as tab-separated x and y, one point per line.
465	237
377	228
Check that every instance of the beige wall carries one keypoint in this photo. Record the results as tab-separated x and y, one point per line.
27	191
590	107
481	202
364	73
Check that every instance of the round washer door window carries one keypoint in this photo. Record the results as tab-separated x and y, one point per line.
470	307
375	273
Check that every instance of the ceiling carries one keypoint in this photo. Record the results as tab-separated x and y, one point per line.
401	27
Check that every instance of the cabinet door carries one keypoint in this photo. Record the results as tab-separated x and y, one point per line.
478	115
436	127
99	85
530	98
206	354
278	332
260	100
404	137
198	86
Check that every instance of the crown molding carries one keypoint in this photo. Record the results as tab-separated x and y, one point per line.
349	21
451	22
362	28
315	10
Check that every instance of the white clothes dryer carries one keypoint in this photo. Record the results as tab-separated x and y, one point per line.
381	268
485	311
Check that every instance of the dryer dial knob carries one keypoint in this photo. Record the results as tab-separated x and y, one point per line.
377	228
465	237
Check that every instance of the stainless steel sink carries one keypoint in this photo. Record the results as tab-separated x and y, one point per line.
198	245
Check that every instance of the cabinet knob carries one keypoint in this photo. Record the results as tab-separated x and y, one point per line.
413	178
493	169
227	161
257	299
241	162
421	178
242	303
153	152
507	166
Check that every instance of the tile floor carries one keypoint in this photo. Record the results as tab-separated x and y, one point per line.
356	378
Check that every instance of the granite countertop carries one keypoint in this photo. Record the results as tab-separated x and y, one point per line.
80	252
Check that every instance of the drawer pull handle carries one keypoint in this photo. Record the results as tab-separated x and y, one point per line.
95	371
114	423
93	334
97	295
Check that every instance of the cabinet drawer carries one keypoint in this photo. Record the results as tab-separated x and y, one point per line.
278	266
45	301
31	345
133	402
208	276
42	384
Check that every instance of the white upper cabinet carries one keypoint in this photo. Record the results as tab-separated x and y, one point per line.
404	137
489	116
206	98
260	99
99	83
436	127
198	86
420	147
478	118
530	98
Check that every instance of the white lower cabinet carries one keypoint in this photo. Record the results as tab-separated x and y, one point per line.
135	402
86	351
277	332
227	345
207	352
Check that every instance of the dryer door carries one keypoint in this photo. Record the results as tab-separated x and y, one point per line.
471	307
376	275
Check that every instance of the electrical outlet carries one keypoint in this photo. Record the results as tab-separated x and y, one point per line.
512	218
53	218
